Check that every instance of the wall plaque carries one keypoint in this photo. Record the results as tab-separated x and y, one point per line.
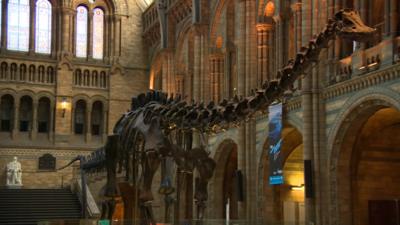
47	162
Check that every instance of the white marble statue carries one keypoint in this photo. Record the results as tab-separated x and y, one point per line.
14	173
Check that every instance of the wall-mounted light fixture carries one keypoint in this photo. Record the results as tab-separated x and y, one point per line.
297	187
64	105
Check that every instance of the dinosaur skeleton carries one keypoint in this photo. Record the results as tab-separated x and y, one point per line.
159	129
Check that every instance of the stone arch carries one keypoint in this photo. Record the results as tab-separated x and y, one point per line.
269	205
78	97
9	91
109	6
25	114
351	119
26	92
79	121
216	188
183	60
216	18
97	109
7	111
47	94
44	108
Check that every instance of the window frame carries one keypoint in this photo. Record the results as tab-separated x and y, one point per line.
52	28
32	31
106	8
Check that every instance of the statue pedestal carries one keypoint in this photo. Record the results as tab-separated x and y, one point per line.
14	186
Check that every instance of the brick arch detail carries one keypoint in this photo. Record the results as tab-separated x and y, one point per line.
355	112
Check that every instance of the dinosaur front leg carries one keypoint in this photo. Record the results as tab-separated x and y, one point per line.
150	163
201	196
167	165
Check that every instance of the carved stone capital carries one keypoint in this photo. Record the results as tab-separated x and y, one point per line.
264	26
296	7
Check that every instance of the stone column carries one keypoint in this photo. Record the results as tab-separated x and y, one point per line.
391	12
241	48
296	8
32	27
204	81
251	46
16	118
216	63
3	26
104	125
198	69
66	30
220	76
211	64
117	35
88	124
263	35
90	37
51	122
307	103
241	73
167	71
55	37
106	37
33	132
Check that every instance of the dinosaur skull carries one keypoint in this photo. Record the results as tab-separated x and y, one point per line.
350	26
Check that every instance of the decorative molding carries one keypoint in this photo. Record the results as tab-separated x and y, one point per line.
362	82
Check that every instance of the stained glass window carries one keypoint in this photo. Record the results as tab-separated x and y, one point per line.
18	25
81	31
43	26
98	33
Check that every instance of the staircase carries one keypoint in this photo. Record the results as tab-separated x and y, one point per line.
28	206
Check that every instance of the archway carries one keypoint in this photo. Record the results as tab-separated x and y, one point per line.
80	117
367	178
225	181
43	115
6	113
284	204
25	114
97	118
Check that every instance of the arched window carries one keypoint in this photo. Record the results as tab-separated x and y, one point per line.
98	33
97	118
18	25
43	27
81	31
43	115
6	113
25	114
80	121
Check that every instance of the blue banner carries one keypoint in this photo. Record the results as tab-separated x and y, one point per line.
275	142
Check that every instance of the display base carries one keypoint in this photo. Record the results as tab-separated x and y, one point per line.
14	186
